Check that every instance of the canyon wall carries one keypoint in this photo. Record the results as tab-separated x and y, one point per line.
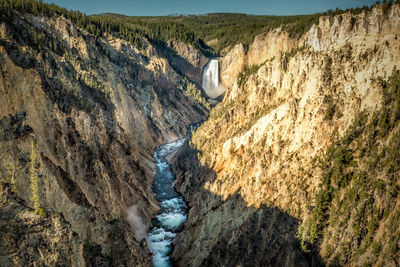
80	117
186	59
298	165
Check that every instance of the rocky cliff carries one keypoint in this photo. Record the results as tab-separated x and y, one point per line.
80	117
185	59
299	164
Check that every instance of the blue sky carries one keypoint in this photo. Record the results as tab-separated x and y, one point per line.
168	7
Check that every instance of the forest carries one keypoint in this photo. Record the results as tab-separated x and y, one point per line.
210	33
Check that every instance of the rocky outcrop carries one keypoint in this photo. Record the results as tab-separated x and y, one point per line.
227	231
185	59
231	65
29	238
268	45
265	47
81	116
273	155
331	33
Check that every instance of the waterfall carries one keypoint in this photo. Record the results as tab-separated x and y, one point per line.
210	79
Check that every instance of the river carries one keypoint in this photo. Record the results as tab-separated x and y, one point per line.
173	215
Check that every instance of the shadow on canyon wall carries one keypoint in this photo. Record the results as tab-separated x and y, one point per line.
87	172
229	232
193	70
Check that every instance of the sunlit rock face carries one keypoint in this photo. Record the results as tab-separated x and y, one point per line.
256	169
231	65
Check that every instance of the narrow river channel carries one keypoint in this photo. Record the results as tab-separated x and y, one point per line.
172	216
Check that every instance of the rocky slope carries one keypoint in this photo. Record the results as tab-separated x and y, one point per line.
28	237
185	59
299	164
80	117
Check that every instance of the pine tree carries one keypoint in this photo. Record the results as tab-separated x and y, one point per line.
13	166
34	182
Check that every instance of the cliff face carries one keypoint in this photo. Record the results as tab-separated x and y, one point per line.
285	170
40	240
80	117
231	65
186	60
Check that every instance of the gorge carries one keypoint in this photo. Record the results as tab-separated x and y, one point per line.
173	208
295	163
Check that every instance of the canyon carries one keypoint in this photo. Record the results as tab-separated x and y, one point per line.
286	167
296	164
92	111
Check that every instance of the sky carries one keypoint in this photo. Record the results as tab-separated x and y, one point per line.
172	7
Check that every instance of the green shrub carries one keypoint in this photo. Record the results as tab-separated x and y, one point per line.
331	107
290	54
376	248
358	168
244	75
34	182
191	90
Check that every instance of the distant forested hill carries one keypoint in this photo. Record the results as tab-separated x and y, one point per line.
223	29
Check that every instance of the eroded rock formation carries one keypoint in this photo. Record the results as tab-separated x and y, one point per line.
91	111
290	145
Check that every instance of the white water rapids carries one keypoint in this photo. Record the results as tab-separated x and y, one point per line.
173	208
210	79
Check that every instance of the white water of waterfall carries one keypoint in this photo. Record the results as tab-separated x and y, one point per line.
210	79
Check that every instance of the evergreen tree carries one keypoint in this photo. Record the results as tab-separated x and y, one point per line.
34	182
